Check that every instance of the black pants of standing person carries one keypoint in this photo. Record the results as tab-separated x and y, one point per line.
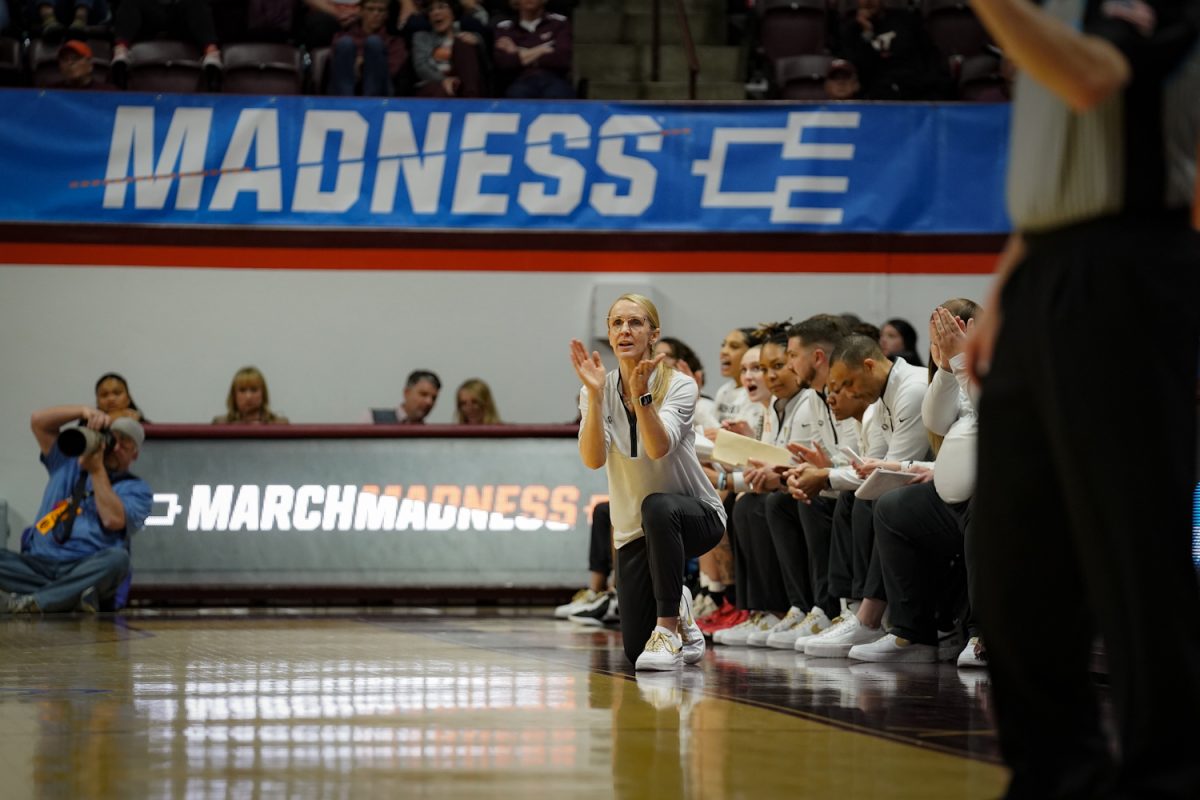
1054	510
600	546
187	20
783	521
919	538
756	567
650	569
816	522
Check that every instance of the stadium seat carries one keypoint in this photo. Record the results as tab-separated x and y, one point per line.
165	66
792	28
802	77
847	8
43	61
955	30
12	72
319	70
981	81
262	68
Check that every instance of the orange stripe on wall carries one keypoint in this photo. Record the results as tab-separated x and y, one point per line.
494	260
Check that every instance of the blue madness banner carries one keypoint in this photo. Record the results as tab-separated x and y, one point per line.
126	158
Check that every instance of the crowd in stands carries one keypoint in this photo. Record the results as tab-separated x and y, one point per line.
381	48
855	542
916	50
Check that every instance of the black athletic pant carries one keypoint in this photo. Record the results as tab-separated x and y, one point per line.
853	563
600	547
1058	508
783	520
919	539
650	568
760	583
816	521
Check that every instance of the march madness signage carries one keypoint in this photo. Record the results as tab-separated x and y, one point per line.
126	158
366	512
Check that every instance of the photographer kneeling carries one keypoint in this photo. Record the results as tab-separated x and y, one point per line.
75	556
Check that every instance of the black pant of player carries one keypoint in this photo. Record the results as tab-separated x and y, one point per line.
756	566
783	520
650	569
1052	512
600	546
853	563
919	538
816	521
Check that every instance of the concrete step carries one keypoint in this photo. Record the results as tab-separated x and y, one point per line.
718	91
634	28
633	62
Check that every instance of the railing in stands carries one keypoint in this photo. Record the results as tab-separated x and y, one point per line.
689	45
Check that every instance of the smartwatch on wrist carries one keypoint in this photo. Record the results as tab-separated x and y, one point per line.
646	399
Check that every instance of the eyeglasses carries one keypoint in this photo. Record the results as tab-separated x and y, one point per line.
636	324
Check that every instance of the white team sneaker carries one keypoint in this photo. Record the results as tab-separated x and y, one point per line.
791	619
581	600
689	632
974	655
813	624
739	634
836	641
703	606
664	651
893	649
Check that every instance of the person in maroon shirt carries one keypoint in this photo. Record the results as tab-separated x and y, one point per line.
534	52
366	50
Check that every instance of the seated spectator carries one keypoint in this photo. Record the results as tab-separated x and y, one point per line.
447	59
475	404
365	55
892	54
841	81
898	337
249	402
76	555
185	20
420	393
56	15
534	53
75	66
113	399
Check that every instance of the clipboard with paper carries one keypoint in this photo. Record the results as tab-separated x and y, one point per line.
737	450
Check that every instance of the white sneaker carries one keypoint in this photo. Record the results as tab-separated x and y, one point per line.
836	641
689	632
893	649
813	624
600	612
664	651
974	655
704	606
581	600
810	625
738	635
790	620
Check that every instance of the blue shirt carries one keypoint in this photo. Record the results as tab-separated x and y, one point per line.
88	536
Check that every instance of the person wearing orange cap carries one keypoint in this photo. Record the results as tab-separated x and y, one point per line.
75	66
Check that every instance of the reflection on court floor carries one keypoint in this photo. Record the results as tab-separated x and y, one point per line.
464	703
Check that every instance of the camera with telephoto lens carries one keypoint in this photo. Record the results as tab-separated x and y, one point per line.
81	441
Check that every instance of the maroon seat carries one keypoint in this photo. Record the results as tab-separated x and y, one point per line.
165	66
12	69
792	28
802	77
955	30
262	68
319	75
981	81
